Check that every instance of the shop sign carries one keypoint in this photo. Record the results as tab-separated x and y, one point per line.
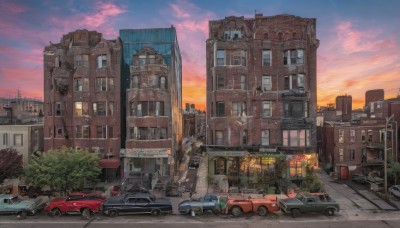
148	153
268	150
227	153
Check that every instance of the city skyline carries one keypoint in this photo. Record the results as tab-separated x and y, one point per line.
359	41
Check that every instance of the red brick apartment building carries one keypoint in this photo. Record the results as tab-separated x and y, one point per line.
82	96
261	100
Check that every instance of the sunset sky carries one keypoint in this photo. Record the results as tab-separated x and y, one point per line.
359	39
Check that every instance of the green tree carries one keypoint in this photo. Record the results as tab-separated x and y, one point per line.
311	183
393	171
10	163
63	169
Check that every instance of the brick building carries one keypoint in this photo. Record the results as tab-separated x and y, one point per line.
81	96
261	100
344	107
356	147
152	98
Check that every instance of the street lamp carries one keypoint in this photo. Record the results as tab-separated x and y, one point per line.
385	148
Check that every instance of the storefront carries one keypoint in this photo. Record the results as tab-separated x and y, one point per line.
147	160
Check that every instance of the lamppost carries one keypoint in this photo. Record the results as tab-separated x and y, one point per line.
385	148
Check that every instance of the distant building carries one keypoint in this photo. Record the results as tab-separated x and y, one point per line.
344	107
82	96
26	139
20	110
152	102
261	100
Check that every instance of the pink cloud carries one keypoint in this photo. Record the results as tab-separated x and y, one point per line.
104	12
13	7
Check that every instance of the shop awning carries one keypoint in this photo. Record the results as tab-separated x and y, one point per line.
110	163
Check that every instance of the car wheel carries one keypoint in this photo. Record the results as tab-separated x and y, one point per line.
86	213
113	213
236	211
55	212
262	211
155	212
329	211
22	215
295	213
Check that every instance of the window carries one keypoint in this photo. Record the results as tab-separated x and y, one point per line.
220	58
159	108
294	109
341	155
5	139
266	57
369	135
134	81
299	137
293	57
142	60
341	136
152	59
142	133
110	84
58	109
244	137
81	108
101	132
132	108
57	61
163	82
238	108
101	61
266	109
219	138
265	137
266	83
132	133
59	132
238	58
153	132
101	84
352	135
352	154
18	140
81	85
110	132
78	131
243	82
110	108
363	135
220	81
220	166
81	61
220	109
86	131
99	109
142	109
163	133
300	81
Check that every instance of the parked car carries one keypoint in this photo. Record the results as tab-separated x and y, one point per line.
208	202
76	203
395	190
262	206
194	161
362	179
307	202
10	204
139	203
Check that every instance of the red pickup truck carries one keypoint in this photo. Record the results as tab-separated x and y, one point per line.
238	205
76	203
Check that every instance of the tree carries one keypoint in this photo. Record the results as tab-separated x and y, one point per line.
311	182
63	169
10	163
393	171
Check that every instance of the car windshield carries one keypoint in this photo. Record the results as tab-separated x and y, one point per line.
16	199
300	197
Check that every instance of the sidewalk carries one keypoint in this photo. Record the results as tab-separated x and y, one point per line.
361	196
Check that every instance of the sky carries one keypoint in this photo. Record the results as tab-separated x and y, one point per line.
359	39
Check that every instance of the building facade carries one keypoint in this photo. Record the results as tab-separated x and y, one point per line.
82	96
261	100
26	139
152	98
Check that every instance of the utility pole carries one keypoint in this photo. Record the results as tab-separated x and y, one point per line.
386	149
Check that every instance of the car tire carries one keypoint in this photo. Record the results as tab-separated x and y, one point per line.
156	212
113	213
86	213
236	211
262	211
329	211
55	212
295	213
22	215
